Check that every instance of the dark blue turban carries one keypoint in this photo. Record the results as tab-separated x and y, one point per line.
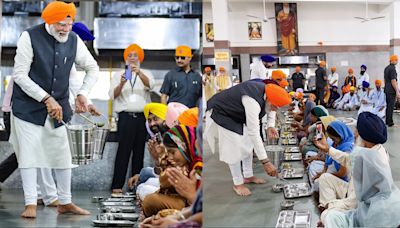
268	58
365	84
82	31
371	128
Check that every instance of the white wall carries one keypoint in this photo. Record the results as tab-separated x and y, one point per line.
329	22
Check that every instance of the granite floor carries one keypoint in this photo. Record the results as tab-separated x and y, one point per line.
222	208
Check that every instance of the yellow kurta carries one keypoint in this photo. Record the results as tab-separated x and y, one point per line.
209	86
223	82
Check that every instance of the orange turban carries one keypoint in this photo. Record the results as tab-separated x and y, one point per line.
183	51
221	68
322	64
378	82
333	69
300	96
277	96
207	69
283	83
346	89
350	70
57	11
393	58
278	74
136	48
189	117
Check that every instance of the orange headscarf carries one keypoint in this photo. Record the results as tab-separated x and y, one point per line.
189	117
393	58
277	96
136	48
57	11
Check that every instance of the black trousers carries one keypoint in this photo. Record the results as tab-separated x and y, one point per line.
10	164
320	96
131	139
390	100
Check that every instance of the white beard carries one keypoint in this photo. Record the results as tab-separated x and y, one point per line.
286	10
57	35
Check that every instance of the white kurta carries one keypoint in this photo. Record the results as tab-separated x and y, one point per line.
258	70
44	146
334	79
362	78
233	147
366	96
379	103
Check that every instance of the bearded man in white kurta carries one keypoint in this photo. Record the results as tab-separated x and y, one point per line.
44	57
233	117
379	100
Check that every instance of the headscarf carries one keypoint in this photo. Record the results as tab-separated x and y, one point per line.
57	11
185	138
189	117
268	58
136	48
277	96
82	31
157	109
300	90
326	120
319	111
346	135
174	110
371	128
292	94
377	195
183	51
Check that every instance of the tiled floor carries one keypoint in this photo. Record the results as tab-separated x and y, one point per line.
223	208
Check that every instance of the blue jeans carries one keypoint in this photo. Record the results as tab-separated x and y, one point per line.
145	174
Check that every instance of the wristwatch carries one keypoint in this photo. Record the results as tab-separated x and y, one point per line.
265	161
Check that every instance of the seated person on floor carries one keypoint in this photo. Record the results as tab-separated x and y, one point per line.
373	199
343	140
306	121
349	101
366	103
306	143
379	100
181	161
334	96
315	159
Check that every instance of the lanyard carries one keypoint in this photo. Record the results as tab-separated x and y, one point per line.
134	82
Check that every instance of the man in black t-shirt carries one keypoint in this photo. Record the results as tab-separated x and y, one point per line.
391	90
321	80
298	80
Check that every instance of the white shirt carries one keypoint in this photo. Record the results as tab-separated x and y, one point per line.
131	99
378	98
362	78
334	77
24	58
252	110
258	70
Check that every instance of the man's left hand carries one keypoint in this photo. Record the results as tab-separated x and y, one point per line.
272	133
81	104
93	110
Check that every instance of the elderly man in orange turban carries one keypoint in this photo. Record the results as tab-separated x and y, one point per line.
182	84
208	83
233	117
379	100
44	58
391	89
222	81
130	92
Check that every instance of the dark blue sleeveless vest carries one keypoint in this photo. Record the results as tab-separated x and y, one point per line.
50	69
228	110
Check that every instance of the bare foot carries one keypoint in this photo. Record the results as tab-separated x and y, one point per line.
72	208
55	203
117	190
30	211
254	180
241	190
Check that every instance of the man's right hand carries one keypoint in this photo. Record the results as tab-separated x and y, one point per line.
54	109
123	79
133	180
270	169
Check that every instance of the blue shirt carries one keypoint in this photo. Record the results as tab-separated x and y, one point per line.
182	87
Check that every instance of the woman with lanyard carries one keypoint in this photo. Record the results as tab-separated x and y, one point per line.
129	101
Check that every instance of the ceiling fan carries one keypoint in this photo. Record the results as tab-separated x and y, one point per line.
366	18
265	18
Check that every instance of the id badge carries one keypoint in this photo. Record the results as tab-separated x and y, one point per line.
132	98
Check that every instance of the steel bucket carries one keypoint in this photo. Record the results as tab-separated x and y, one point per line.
99	136
81	143
275	155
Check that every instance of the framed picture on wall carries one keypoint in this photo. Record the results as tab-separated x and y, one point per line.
209	30
255	31
286	28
